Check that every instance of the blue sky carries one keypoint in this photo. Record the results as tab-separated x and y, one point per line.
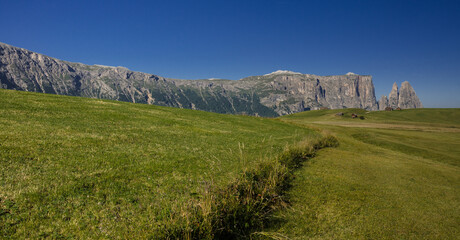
394	41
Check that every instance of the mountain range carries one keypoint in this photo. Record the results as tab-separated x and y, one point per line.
274	94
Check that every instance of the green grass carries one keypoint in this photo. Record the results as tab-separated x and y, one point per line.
247	203
395	175
79	168
85	168
419	117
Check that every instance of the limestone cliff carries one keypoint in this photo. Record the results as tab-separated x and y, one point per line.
383	103
274	94
403	98
393	97
292	92
407	97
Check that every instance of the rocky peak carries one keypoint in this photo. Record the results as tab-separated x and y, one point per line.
404	98
393	97
407	97
383	103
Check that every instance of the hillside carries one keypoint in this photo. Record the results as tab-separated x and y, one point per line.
269	95
395	175
87	168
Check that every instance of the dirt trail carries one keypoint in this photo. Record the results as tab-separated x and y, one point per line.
392	126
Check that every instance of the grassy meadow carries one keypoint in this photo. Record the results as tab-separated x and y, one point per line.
395	175
79	168
86	168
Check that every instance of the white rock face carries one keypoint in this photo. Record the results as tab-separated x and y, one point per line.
403	98
407	97
310	92
383	103
393	98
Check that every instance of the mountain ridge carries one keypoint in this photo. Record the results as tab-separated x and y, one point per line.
278	93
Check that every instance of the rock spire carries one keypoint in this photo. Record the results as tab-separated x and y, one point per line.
403	98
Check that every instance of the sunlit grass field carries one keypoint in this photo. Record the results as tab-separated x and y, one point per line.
395	175
78	168
86	168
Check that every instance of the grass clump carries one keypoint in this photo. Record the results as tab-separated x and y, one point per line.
247	203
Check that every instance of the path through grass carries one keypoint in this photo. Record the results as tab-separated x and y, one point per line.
380	183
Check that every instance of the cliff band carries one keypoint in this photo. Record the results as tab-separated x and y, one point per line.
274	94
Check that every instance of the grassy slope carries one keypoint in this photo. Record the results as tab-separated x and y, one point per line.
394	175
86	168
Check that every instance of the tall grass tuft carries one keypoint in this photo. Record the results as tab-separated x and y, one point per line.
245	204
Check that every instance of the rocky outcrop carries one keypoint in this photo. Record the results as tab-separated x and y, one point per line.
383	103
404	98
289	93
274	94
393	97
407	97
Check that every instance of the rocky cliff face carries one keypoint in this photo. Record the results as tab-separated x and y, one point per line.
404	98
278	93
393	97
292	92
407	97
383	103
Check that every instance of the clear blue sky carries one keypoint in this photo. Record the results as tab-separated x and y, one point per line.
394	41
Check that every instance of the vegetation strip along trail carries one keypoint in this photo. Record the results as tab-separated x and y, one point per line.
82	168
380	183
247	203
